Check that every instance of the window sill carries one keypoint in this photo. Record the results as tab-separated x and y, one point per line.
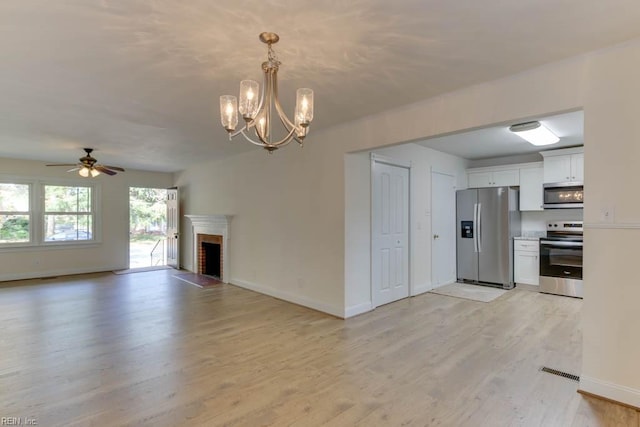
45	246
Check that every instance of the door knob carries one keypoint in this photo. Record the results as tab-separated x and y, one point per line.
435	236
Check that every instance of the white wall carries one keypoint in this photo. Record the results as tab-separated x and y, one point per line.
286	237
109	254
536	221
290	207
612	294
357	239
358	218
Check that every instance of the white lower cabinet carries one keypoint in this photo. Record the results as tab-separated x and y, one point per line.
526	263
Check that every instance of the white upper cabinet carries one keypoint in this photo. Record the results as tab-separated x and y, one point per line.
502	178
479	179
577	167
531	188
565	165
489	177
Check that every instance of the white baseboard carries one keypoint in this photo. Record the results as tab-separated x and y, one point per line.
55	273
612	391
421	289
290	297
354	310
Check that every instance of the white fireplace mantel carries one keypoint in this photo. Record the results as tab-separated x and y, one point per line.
211	224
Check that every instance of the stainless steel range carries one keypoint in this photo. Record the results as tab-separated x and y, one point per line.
561	259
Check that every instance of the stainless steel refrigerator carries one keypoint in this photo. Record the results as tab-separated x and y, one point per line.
487	221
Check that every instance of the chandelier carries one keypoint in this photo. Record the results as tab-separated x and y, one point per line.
257	112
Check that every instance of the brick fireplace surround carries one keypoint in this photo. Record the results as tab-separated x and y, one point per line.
201	253
210	229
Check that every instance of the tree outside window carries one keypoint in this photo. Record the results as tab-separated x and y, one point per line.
14	213
68	214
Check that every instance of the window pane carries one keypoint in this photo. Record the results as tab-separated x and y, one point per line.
14	228
67	199
14	197
67	227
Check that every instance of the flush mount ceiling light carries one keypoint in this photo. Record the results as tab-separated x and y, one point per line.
258	112
535	133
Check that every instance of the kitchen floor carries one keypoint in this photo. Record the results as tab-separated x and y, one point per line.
150	349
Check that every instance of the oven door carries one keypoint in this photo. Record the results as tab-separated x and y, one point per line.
561	258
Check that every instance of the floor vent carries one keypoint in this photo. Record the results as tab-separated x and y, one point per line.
560	373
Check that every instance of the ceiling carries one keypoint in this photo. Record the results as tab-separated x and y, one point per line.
139	80
498	141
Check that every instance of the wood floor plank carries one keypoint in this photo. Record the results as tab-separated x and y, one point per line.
148	349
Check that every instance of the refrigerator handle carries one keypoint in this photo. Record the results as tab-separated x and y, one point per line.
475	226
478	227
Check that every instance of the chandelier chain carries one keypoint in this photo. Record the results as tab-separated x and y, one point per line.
271	55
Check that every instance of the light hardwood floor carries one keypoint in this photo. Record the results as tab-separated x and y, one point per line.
148	349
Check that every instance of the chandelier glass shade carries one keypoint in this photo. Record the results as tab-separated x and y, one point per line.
259	108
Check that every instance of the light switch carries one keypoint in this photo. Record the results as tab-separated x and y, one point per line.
607	214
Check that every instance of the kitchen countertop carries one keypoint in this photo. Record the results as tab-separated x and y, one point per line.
531	235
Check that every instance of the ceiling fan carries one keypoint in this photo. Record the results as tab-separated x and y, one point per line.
89	166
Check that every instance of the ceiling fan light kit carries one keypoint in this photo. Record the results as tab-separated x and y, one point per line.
257	111
535	133
89	166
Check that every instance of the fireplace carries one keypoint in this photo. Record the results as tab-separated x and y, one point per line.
210	245
210	255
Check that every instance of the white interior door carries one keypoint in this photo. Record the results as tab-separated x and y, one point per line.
443	229
390	233
173	228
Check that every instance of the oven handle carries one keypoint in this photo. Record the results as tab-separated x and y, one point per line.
560	244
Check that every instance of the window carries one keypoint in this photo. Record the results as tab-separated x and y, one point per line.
68	213
44	213
15	213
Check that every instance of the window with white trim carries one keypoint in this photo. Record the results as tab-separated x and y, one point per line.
15	213
44	212
68	213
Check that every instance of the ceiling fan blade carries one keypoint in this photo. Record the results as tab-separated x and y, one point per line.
104	170
116	168
74	169
62	164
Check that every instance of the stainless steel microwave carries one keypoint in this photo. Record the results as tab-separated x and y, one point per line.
563	195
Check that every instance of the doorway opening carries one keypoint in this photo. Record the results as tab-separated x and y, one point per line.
147	227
